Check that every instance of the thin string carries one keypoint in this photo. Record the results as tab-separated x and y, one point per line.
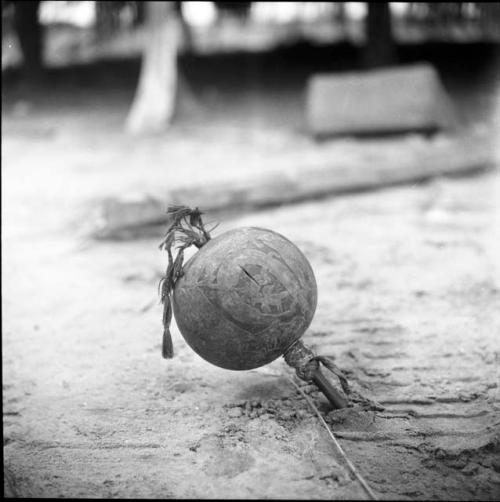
336	443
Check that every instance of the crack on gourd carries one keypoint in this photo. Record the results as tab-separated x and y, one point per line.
249	275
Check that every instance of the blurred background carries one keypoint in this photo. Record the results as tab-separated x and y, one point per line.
234	57
367	133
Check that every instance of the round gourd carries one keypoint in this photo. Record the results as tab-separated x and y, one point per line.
244	298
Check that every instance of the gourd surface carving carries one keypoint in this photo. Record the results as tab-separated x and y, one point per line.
244	298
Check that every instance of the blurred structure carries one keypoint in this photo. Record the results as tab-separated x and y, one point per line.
408	98
26	22
379	50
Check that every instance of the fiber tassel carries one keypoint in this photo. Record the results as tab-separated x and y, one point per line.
167	348
182	233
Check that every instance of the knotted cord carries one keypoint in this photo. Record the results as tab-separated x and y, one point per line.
186	229
306	363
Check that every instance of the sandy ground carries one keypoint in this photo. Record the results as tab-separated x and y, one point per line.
409	305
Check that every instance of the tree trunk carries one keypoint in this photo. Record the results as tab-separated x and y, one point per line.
29	32
379	49
154	103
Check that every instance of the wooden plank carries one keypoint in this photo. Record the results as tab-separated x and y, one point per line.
373	165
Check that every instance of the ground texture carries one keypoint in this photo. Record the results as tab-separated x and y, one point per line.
409	306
